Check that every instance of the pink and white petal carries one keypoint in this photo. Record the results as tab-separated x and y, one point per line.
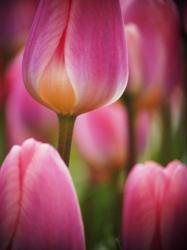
50	216
174	209
95	53
47	30
10	195
140	207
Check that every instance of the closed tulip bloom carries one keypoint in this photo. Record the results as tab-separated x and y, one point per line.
38	204
75	58
153	48
155	205
102	138
26	117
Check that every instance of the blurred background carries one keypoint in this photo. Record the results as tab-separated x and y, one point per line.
148	123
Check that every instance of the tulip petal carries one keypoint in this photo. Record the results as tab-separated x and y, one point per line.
174	211
9	197
95	55
49	216
143	188
47	31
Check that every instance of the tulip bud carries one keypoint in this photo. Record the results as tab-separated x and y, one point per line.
154	49
38	203
76	62
155	205
25	117
102	138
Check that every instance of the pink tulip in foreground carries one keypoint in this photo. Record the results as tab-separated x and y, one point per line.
153	41
75	59
24	116
38	204
155	208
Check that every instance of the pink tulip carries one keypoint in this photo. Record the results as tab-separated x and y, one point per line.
155	205
154	49
75	59
25	117
38	204
102	138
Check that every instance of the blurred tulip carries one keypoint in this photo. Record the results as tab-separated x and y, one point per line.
25	117
155	205
74	63
154	49
15	21
102	138
38	204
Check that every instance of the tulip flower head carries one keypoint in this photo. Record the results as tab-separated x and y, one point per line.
24	116
38	204
155	205
153	48
75	58
102	138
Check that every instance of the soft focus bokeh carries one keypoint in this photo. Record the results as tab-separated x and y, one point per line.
148	123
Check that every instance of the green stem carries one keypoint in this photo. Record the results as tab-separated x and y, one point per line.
66	124
166	146
103	202
128	101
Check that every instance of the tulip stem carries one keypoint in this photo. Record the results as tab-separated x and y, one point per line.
166	143
128	101
66	125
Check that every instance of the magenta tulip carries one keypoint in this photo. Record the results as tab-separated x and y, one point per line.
102	138
155	208
154	49
75	59
38	204
25	117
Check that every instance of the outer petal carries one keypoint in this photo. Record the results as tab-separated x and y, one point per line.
10	194
95	52
174	210
49	216
47	31
141	207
